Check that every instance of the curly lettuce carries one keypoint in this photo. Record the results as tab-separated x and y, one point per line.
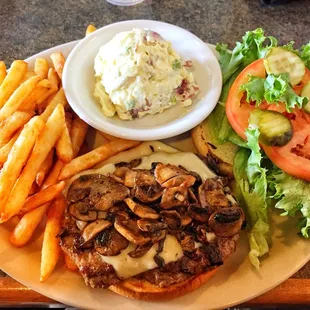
252	46
252	184
272	89
292	196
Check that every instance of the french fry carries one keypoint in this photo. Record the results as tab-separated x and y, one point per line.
59	98
2	71
23	231
78	132
5	150
13	123
12	80
41	67
58	60
107	136
53	175
70	264
53	77
25	228
43	90
28	75
29	222
33	189
18	97
17	158
51	247
44	144
91	28
42	197
45	168
64	145
95	156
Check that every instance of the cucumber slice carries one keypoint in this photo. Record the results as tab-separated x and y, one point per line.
306	93
278	60
275	129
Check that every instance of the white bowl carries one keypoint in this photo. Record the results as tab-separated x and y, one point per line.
79	81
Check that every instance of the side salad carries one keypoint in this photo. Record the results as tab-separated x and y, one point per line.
264	109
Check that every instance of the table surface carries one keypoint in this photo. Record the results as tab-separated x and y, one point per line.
28	27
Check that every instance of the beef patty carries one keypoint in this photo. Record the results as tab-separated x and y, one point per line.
107	213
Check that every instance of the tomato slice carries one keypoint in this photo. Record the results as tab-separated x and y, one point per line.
294	157
237	110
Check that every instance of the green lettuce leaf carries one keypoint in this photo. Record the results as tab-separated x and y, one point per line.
273	89
252	46
305	54
293	196
251	182
254	89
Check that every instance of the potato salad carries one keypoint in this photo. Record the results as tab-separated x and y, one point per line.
139	73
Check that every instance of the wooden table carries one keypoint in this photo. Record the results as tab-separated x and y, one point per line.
295	290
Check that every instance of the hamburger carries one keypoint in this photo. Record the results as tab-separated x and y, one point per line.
151	223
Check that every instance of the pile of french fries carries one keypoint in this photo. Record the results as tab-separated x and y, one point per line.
40	141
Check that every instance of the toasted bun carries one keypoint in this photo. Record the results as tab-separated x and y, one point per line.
143	290
205	144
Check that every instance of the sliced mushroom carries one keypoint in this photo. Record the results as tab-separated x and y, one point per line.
158	235
201	233
130	230
191	196
198	213
102	215
197	176
80	187
227	222
172	218
188	243
94	228
147	194
140	250
185	180
165	172
211	194
110	243
79	243
142	211
118	211
80	211
185	219
130	178
119	174
139	177
150	225
81	224
145	178
173	197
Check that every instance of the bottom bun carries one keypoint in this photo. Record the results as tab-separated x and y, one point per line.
205	144
143	290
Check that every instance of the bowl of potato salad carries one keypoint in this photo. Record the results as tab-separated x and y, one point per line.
142	80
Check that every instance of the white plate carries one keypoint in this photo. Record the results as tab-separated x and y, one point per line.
79	83
235	282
